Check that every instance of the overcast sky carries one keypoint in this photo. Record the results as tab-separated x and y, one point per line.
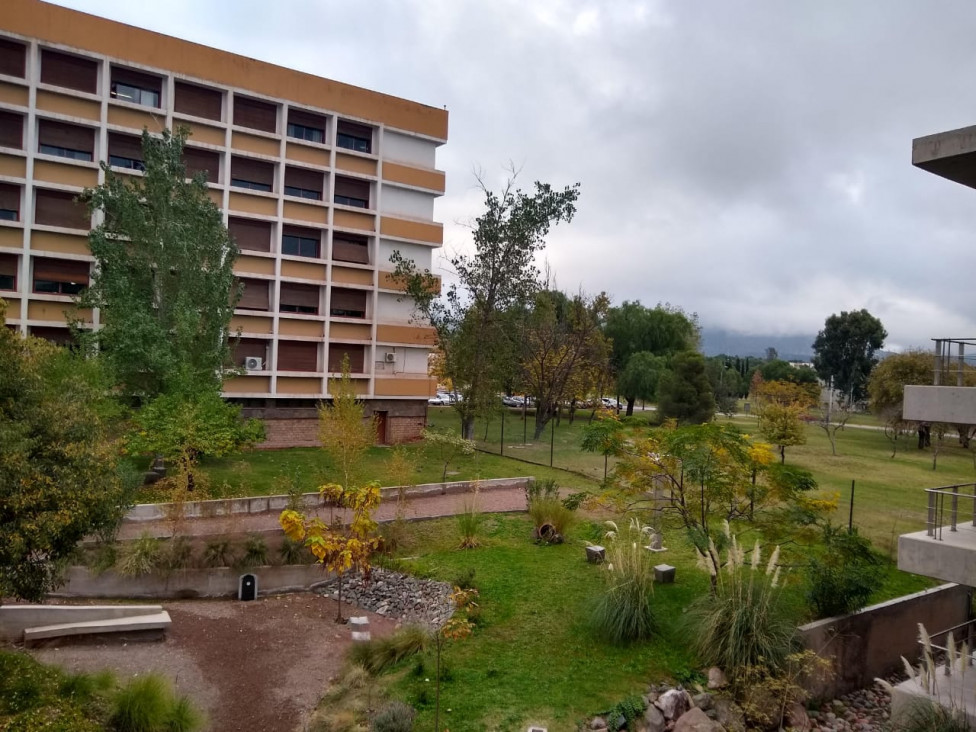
749	161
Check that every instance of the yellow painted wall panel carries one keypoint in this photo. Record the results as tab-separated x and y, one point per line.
299	385
306	154
248	385
409	334
349	276
255	144
294	327
355	164
254	265
419	177
65	174
253	204
13	94
13	166
303	270
11	236
54	312
349	332
353	220
135	119
418	230
71	106
306	212
250	324
203	133
405	387
49	241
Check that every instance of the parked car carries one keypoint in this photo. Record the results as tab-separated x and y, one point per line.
609	403
513	401
438	401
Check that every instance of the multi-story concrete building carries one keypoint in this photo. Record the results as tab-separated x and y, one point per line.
319	182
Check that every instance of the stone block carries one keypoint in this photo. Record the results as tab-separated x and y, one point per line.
361	636
664	574
596	554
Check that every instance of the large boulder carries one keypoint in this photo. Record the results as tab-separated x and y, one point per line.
673	703
716	679
729	714
654	721
798	719
695	720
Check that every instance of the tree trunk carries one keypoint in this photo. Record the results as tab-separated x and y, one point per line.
782	454
542	417
630	405
467	427
339	604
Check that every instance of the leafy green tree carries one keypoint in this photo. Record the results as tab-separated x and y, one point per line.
683	392
165	282
781	406
604	435
662	331
777	370
640	376
843	574
59	475
845	351
886	386
345	432
475	331
726	383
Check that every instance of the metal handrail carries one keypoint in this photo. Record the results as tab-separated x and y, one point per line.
936	519
968	641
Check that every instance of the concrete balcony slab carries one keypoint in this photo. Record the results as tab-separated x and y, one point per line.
953	558
952	404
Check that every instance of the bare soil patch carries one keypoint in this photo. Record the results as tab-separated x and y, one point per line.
259	665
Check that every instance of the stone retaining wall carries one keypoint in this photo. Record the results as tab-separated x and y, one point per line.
189	583
870	643
266	504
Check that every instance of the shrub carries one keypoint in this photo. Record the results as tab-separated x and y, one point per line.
844	575
292	552
103	557
141	557
623	612
255	552
551	511
536	489
742	624
394	717
218	553
465	579
147	704
469	522
177	553
379	654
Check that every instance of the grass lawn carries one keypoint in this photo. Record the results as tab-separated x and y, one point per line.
534	658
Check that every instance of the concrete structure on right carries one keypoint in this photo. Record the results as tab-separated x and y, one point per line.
946	549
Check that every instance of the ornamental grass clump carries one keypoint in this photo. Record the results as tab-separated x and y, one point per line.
469	522
742	624
623	612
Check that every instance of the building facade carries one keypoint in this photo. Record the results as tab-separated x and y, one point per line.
319	183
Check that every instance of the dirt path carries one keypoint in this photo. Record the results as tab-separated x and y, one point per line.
256	666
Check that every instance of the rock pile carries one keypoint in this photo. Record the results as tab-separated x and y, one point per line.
668	709
395	595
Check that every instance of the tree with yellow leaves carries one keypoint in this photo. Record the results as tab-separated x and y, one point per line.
781	406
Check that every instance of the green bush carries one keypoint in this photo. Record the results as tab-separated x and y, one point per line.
394	717
141	557
218	553
469	522
102	558
742	624
380	653
255	553
293	552
548	510
147	704
175	554
843	575
465	579
623	612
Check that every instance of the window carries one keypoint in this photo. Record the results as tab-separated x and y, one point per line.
60	276
66	141
136	87
8	271
348	303
202	161
351	192
300	242
250	235
11	130
198	101
255	114
298	356
304	183
58	336
13	58
296	298
251	348
254	175
70	72
350	248
355	352
255	295
9	202
59	208
125	151
306	126
354	137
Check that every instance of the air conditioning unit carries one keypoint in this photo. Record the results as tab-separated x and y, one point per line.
254	363
390	358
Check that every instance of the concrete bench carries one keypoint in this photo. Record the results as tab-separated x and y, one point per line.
138	623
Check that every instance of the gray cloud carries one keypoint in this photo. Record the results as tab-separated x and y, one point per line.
749	161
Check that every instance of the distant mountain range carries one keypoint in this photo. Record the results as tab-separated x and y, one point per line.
789	348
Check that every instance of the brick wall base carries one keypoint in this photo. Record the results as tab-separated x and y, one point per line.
304	432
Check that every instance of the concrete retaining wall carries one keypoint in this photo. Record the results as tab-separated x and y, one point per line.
870	643
189	583
15	618
265	504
